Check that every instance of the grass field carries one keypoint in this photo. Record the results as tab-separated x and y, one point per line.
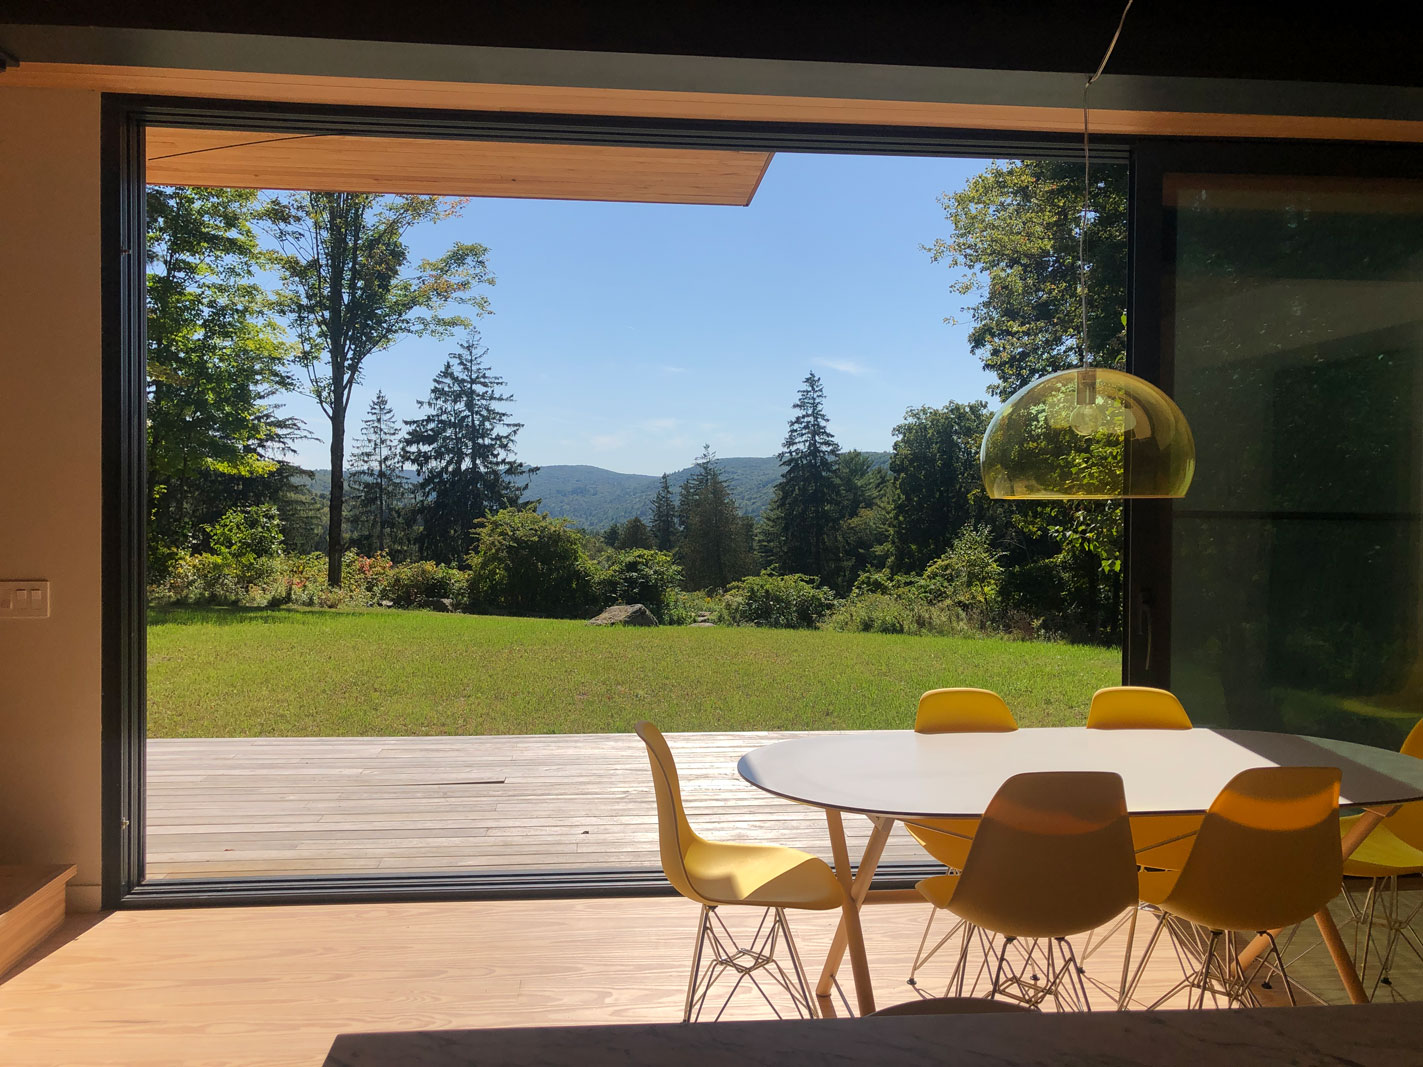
318	673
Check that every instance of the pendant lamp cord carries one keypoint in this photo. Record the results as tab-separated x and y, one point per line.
1087	182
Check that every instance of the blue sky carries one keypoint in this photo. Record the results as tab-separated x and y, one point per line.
630	334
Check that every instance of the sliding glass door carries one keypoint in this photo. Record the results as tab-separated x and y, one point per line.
1280	296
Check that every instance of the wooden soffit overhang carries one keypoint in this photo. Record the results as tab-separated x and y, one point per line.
374	164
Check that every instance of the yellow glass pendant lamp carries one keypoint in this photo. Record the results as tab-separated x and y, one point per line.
1090	433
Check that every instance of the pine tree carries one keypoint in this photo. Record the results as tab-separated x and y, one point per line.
378	490
807	501
716	545
664	517
463	451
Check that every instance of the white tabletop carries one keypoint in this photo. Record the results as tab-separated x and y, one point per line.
909	775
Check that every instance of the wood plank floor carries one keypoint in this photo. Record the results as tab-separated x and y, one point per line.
224	808
273	986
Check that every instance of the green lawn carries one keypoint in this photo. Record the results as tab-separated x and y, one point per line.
318	673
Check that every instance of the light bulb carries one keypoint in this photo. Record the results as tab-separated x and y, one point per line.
1086	419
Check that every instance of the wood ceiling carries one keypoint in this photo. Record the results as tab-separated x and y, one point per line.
548	99
244	159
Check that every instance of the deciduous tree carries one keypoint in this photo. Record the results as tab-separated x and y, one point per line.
216	358
349	292
936	481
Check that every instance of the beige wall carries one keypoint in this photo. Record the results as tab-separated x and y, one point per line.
50	479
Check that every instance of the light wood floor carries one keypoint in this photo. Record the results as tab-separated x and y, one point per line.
273	986
223	808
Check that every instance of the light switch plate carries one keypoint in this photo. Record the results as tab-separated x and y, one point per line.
24	599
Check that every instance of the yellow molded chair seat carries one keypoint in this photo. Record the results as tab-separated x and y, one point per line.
1139	707
1382	855
1136	707
766	876
1267	854
956	711
1403	827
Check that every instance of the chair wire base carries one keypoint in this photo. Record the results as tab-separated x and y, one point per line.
1383	908
1209	961
756	961
1383	914
1025	970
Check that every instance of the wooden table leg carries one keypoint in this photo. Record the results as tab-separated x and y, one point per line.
1343	962
850	918
859	892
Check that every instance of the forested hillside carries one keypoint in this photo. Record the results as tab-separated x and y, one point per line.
595	498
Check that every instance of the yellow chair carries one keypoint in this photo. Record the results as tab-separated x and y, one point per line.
1161	841
1052	858
1136	707
952	711
1392	850
1267	856
714	874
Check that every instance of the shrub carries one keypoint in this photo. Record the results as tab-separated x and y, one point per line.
526	563
884	613
640	576
968	574
789	601
870	582
407	585
246	543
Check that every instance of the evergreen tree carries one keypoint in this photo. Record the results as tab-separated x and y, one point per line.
807	500
463	451
378	489
635	534
715	546
612	534
664	518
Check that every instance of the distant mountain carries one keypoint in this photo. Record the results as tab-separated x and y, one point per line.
595	498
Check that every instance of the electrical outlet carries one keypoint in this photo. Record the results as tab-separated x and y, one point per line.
24	600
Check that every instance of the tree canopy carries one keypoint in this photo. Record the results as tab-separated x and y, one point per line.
216	358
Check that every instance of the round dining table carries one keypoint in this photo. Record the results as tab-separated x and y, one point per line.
900	775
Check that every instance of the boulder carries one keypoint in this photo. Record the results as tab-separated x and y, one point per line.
625	615
437	603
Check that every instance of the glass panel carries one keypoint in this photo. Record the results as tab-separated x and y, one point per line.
1296	319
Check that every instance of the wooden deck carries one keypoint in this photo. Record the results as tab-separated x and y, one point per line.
293	806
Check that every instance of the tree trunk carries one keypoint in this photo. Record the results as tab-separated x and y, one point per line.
338	497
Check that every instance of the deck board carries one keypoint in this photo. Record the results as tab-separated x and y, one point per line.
229	807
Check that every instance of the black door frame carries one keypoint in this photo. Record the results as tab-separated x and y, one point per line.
124	119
